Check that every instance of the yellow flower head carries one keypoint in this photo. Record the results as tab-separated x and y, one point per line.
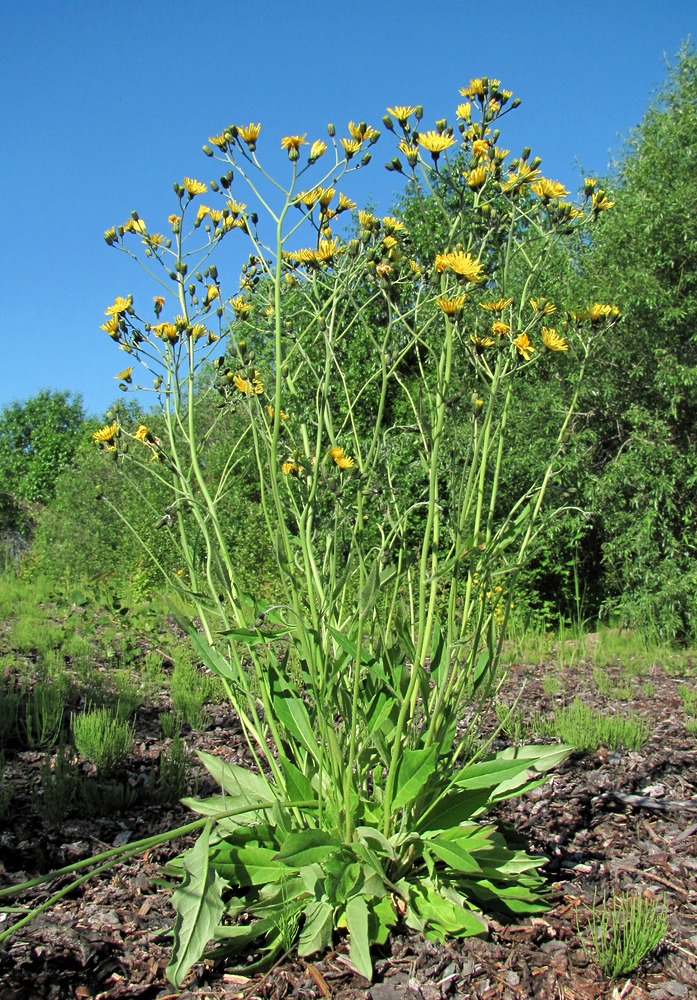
125	375
317	149
203	211
479	87
461	263
111	326
480	148
289	468
402	112
340	458
601	202
597	312
159	301
552	340
272	412
166	331
543	306
212	292
105	435
482	341
497	306
547	190
120	305
218	140
241	306
327	250
175	222
477	178
500	328
451	306
464	111
249	134
393	225
363	132
351	147
293	143
345	204
194	187
142	433
436	143
249	386
366	219
522	342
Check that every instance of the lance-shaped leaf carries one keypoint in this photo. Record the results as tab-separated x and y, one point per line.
199	907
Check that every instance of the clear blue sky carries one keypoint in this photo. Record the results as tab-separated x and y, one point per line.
104	103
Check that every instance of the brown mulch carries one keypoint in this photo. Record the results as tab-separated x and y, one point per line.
609	822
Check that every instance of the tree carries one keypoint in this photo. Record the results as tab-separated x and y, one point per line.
38	439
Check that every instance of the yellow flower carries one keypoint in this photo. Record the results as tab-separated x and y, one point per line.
479	87
175	222
241	306
327	250
601	202
481	341
464	111
477	178
125	375
218	140
461	263
212	292
236	207
289	468
351	147
598	311
525	174
271	412
547	190
366	219
159	301
480	148
106	435
111	326
522	342
120	305
362	132
345	204
340	458
552	340
194	187
293	142
393	225
543	306
215	215
110	235
500	328
436	143
203	211
451	306
498	305
142	433
402	112
166	331
249	134
317	149
154	240
250	386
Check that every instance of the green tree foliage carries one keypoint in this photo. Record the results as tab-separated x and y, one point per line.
38	440
644	401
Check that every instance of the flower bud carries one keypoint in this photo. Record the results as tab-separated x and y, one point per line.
213	185
441	125
419	112
254	218
525	155
516	102
181	267
535	162
365	160
192	290
207	150
331	131
213	271
388	123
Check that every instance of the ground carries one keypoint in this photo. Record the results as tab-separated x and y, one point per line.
608	821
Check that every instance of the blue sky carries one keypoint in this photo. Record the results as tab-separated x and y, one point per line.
104	104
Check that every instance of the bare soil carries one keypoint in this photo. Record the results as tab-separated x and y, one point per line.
608	822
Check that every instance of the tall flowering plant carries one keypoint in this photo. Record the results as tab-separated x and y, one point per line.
359	687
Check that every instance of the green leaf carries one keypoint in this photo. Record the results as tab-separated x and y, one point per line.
454	808
291	712
359	941
298	785
199	907
316	934
454	855
415	768
245	787
245	866
537	760
305	847
210	656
